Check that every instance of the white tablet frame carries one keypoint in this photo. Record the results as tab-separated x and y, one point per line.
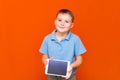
46	69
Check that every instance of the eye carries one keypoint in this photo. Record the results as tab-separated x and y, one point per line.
67	21
59	20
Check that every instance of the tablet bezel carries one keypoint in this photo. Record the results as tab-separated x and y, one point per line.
46	69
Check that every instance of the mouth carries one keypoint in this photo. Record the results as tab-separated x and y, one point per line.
62	27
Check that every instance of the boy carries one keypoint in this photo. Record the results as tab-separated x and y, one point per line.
62	44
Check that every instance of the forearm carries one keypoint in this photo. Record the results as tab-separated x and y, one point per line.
78	61
44	59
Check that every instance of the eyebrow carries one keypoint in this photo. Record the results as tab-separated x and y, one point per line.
65	20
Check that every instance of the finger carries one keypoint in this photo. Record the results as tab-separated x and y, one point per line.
70	69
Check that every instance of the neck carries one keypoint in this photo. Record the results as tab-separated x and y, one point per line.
60	36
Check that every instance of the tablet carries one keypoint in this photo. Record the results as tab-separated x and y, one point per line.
57	67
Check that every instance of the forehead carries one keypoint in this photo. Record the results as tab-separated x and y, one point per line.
64	16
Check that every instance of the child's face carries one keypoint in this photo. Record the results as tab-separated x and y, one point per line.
63	22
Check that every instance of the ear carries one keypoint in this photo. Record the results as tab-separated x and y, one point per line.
72	25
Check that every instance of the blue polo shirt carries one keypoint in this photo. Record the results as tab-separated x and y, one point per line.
66	49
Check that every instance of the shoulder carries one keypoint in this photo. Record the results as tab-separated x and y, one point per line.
74	36
47	37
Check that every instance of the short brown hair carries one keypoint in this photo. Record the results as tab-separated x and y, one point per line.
66	11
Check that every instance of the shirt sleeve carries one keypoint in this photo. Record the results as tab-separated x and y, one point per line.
79	47
44	48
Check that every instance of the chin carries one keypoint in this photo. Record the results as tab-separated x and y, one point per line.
61	31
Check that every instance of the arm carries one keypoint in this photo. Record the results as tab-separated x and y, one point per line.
78	61
44	59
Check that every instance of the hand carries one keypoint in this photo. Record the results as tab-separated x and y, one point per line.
69	73
46	60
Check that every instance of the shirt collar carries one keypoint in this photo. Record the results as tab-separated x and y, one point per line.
53	36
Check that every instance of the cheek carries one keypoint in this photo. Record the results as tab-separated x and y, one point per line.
68	25
57	23
67	28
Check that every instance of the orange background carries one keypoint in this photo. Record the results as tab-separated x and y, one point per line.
24	23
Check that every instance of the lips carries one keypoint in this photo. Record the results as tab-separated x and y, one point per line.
62	27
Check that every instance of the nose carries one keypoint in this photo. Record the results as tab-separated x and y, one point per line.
62	23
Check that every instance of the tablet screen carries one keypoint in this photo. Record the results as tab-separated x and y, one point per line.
57	67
